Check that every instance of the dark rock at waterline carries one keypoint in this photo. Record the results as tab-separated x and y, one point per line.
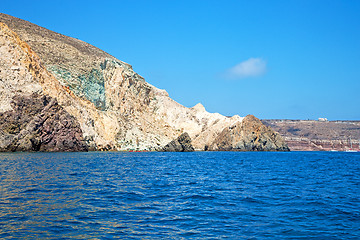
181	144
38	123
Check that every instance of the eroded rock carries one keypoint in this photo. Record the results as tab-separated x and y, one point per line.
181	144
38	123
249	135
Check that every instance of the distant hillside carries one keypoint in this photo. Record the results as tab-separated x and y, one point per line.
310	135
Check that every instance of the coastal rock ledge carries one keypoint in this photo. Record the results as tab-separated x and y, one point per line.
181	144
59	93
249	135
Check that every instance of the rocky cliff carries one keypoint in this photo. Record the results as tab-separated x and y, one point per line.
38	123
92	100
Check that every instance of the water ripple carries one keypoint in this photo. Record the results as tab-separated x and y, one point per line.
201	195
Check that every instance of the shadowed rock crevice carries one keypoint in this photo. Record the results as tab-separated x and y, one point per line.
181	144
38	123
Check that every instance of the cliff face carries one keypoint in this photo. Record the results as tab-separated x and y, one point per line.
38	123
107	106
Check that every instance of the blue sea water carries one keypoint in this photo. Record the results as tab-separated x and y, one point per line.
199	195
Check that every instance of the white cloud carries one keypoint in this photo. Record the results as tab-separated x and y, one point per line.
252	67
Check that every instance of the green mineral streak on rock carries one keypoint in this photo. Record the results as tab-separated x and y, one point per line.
93	88
90	86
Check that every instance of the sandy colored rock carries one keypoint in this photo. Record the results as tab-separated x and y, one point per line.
248	135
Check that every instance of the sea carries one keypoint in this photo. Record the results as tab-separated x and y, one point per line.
196	195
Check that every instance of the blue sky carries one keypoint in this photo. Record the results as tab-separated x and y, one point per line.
274	59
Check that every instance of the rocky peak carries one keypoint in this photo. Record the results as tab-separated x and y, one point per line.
199	107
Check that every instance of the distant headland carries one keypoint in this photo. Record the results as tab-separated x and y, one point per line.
318	135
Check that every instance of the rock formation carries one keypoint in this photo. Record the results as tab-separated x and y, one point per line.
38	123
248	135
181	144
106	105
